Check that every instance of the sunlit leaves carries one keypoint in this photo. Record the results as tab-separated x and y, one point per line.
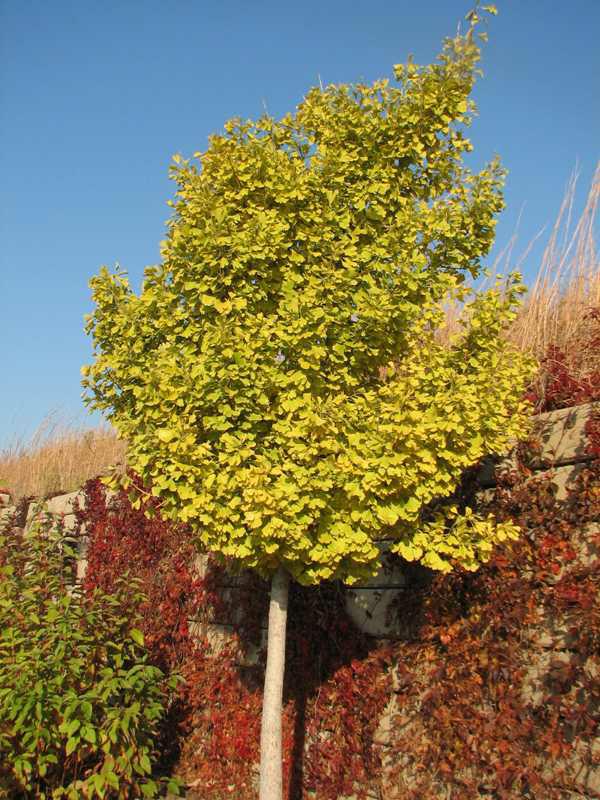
75	685
278	378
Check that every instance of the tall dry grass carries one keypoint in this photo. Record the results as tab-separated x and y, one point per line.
555	311
566	287
61	456
562	309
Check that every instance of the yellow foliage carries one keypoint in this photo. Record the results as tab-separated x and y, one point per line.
278	378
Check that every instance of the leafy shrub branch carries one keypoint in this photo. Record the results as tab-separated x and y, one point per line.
80	704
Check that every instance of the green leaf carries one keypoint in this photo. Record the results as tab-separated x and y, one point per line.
71	727
174	786
99	782
137	636
149	789
387	515
89	734
72	745
145	764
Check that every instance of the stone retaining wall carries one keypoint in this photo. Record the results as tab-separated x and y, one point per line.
560	455
59	510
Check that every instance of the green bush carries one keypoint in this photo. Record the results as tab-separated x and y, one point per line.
79	704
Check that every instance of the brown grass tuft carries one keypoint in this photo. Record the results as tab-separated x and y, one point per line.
59	457
567	286
556	310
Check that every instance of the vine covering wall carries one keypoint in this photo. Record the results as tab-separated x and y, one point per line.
490	688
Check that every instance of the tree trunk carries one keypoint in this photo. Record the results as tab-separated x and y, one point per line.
271	783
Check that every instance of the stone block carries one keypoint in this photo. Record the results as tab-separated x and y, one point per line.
369	603
232	606
82	561
221	637
69	522
586	775
563	478
6	514
561	435
240	580
65	503
33	510
80	569
390	576
201	565
587	550
60	508
580	767
5	499
217	636
538	675
385	727
586	542
372	610
204	564
553	634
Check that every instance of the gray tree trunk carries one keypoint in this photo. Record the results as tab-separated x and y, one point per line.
271	784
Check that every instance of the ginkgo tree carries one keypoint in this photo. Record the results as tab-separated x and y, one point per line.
279	378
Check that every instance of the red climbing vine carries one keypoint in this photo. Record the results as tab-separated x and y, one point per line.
493	690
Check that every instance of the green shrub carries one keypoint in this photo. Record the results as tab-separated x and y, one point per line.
79	704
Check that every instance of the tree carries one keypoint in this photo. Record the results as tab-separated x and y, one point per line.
279	378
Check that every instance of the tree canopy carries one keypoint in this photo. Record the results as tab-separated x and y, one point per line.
279	378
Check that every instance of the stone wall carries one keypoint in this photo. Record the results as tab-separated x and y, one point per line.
59	510
559	453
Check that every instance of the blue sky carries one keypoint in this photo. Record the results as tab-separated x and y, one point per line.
95	98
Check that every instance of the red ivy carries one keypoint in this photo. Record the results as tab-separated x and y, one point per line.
462	722
335	690
561	388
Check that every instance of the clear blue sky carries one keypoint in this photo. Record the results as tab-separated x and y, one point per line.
95	98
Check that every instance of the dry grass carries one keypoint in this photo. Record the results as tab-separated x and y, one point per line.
556	312
567	286
61	456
